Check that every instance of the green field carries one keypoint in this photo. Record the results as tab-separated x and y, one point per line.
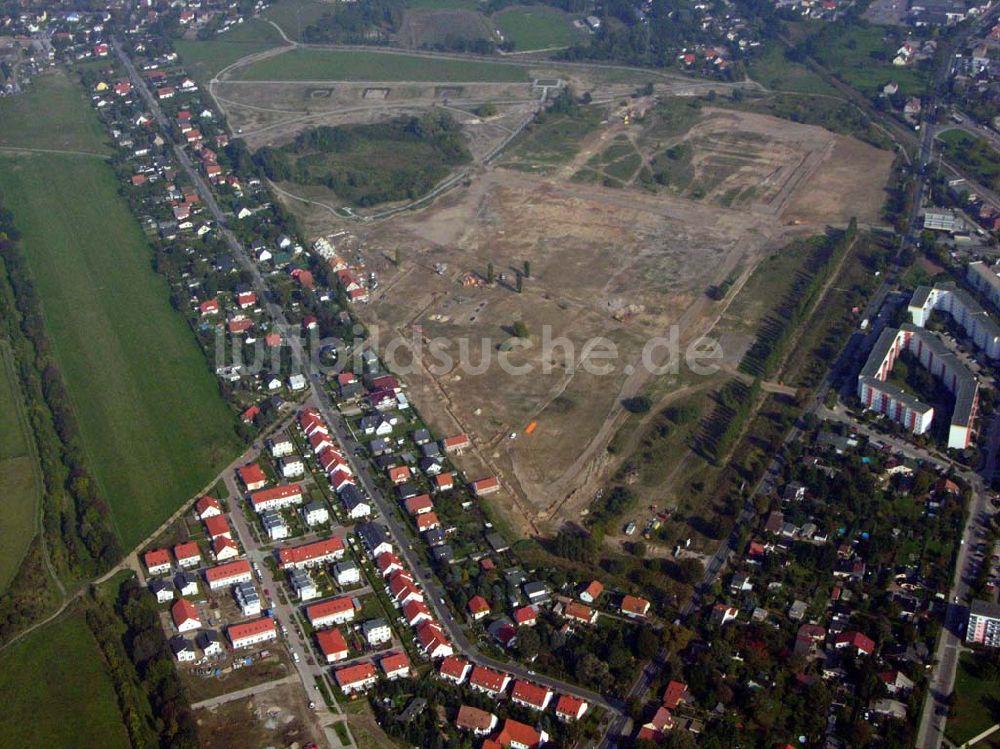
56	693
68	124
205	59
973	155
771	69
152	423
862	57
335	65
445	4
295	15
20	482
537	27
553	140
977	700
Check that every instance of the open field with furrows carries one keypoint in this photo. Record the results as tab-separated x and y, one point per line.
20	481
425	28
152	423
56	693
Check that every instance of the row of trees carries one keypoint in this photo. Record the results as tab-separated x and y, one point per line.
777	331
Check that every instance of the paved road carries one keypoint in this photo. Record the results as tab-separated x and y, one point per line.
303	363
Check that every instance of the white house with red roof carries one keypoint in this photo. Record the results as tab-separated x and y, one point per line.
334	611
493	683
185	616
224	549
592	592
517	735
859	642
188	554
432	641
311	554
530	695
217	527
252	633
388	563
157	561
207	507
427	521
570	708
332	644
253	477
276	498
525	616
443	482
356	678
456	444
395	666
634	607
419	504
479	607
209	307
416	612
484	486
454	669
223	575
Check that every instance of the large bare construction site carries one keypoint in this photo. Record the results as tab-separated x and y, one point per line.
625	216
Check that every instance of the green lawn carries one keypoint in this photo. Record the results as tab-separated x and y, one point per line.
20	484
56	693
336	65
153	424
205	59
553	141
973	155
537	27
68	124
978	702
445	4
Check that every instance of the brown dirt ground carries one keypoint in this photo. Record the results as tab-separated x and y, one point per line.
277	717
623	264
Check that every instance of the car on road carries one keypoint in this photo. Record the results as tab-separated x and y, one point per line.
295	656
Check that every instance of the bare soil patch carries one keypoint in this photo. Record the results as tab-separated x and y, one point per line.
276	717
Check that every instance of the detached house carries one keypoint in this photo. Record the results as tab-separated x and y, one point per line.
531	695
157	561
356	678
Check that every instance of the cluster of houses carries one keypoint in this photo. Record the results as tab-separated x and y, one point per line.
329	455
172	578
404	592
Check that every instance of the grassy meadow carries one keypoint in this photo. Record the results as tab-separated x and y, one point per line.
20	482
152	422
339	65
537	27
205	59
56	692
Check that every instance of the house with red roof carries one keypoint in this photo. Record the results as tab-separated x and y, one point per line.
858	642
402	589
206	507
187	554
478	607
332	644
592	592
228	574
517	735
525	616
252	633
530	695
157	561
388	563
419	504
634	607
328	613
253	477
570	708
493	683
395	666
185	616
356	678
675	694
416	612
217	527
432	641
427	521
455	444
577	612
311	554
224	548
479	722
443	482
454	669
399	474
246	299
276	498
654	729
485	486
